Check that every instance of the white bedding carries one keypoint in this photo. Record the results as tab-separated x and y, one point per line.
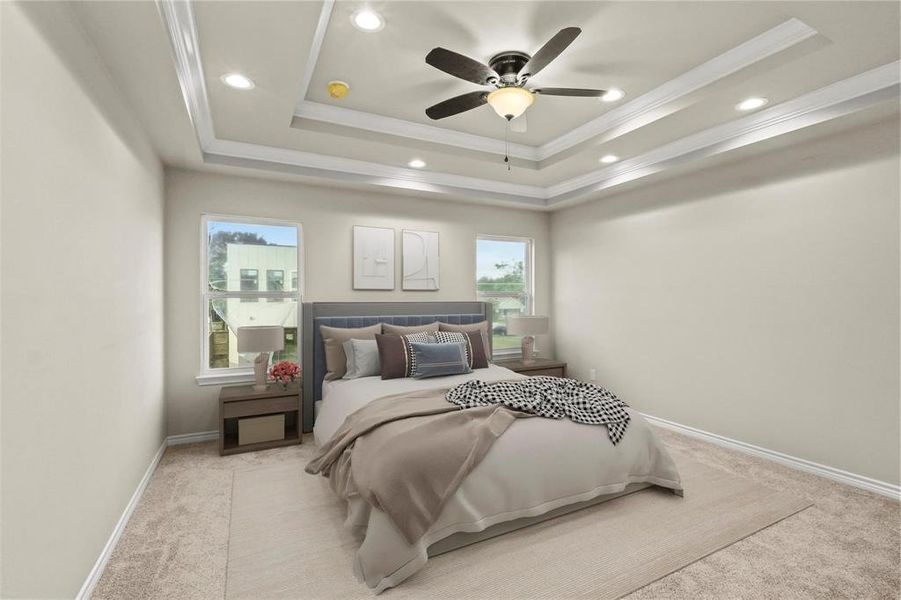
536	466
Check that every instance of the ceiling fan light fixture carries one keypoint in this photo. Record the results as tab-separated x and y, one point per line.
612	95
416	163
510	102
367	20
608	159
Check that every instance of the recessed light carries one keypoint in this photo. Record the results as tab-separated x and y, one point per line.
237	81
609	158
751	103
613	94
367	20
416	163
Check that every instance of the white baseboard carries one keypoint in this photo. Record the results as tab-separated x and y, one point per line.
94	576
173	440
192	438
859	481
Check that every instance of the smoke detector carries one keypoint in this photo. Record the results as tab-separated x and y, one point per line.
337	89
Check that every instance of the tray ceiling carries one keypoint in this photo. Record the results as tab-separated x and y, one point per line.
682	65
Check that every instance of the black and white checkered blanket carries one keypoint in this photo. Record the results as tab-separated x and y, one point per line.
550	397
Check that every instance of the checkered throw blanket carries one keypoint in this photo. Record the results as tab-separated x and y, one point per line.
550	397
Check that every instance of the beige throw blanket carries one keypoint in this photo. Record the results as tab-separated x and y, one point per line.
407	454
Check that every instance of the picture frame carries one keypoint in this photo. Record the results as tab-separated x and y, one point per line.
421	260
373	258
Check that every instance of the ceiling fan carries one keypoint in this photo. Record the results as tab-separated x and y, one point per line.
508	72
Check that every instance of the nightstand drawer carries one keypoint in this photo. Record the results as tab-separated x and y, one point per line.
262	406
554	372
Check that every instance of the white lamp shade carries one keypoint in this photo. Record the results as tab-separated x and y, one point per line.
527	325
266	338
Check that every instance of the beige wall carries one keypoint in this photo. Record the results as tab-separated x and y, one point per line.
759	301
82	276
328	216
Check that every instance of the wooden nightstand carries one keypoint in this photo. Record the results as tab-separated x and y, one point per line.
242	402
538	366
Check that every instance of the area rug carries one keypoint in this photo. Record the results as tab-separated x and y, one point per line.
287	540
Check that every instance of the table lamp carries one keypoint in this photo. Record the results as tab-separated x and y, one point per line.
528	327
263	339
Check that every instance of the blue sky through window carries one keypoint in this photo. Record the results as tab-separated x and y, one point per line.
492	252
274	234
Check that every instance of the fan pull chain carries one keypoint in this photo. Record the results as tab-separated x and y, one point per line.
507	143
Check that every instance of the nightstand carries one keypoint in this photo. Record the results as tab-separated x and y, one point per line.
251	420
537	366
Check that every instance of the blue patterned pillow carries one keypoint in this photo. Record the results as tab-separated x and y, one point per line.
436	360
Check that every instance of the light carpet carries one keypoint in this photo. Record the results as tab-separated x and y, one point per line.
287	540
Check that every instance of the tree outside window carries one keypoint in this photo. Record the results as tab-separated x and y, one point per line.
503	278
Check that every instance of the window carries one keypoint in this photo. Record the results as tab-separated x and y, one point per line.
275	282
236	251
250	282
504	278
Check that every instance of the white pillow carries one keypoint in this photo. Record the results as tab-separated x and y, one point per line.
362	359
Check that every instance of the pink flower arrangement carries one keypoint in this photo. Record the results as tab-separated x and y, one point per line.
284	372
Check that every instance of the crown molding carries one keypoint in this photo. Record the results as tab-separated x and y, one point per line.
649	107
325	16
835	100
178	18
617	121
348	169
347	117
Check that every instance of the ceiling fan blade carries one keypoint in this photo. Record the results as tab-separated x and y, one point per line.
550	51
570	92
519	124
461	66
456	105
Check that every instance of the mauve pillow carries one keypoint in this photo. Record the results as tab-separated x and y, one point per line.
481	327
334	338
405	329
395	356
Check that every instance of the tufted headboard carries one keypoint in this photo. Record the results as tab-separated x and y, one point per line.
361	314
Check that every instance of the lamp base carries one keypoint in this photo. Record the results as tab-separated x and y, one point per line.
259	372
528	348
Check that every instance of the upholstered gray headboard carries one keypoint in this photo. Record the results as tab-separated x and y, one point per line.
361	314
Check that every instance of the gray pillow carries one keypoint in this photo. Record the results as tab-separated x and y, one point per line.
362	359
437	360
333	339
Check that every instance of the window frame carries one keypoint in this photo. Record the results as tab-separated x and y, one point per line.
528	270
224	375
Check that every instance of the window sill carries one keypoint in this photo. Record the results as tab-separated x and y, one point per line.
232	376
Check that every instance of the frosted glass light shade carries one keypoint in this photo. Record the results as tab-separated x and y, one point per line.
527	325
510	102
264	338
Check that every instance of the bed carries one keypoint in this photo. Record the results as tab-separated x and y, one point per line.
539	468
